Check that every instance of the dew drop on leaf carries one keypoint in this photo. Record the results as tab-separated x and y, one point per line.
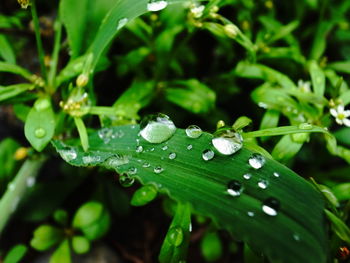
175	236
189	147
275	174
305	126
158	169
122	22
126	180
271	206
227	142
250	213
207	155
40	133
193	131
247	176
68	154
156	5
263	184
165	147
256	161
172	156
296	237
234	188
30	181
132	171
157	128
139	149
11	186
105	134
146	165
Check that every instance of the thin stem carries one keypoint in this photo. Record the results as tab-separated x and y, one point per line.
39	43
55	55
17	188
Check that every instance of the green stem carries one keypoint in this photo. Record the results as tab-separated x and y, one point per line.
55	55
82	133
17	188
102	110
39	43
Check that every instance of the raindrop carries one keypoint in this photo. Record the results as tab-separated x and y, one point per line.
121	23
126	180
40	133
157	128
164	148
256	161
132	171
275	174
30	181
250	213
146	165
175	236
296	237
68	154
172	156
193	131
263	184
247	176
116	160
156	5
227	142
271	206
152	149
234	188
305	126
91	159
158	169
139	149
11	186
189	147
207	155
105	134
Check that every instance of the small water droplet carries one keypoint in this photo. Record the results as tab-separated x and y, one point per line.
132	171
305	126
116	160
156	5
68	154
146	165
126	180
189	147
165	147
193	131
11	186
247	176
158	169
122	22
139	149
175	236
263	184
14	204
234	188
105	134
271	206
40	133
256	161
172	156
227	142
296	237
91	159
207	155
190	227
262	105
152	149
250	213
157	128
30	181
275	174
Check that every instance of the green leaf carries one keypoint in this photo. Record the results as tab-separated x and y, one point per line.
8	148
211	246
12	68
6	51
80	244
61	254
340	228
14	90
319	44
286	148
82	133
340	66
296	234
270	119
144	195
174	248
342	191
318	78
191	95
87	214
45	237
39	127
16	254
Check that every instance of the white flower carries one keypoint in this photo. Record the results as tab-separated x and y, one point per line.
341	115
197	11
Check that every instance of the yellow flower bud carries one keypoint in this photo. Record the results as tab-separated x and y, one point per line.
82	80
21	153
231	30
24	3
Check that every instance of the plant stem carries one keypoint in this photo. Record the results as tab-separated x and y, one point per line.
39	43
55	54
17	188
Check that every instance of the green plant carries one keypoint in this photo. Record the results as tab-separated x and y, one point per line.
265	70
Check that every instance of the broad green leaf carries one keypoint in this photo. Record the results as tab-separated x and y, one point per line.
286	148
45	237
40	124
61	254
191	95
296	234
14	90
16	254
6	51
340	66
12	68
318	78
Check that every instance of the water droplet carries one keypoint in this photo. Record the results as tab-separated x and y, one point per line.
262	105
250	213
116	160
126	180
139	149
247	176
158	169
14	204
157	128
105	134
256	161
296	237
11	186
271	206
121	23
190	227
91	159
156	5
30	181
193	131
227	142
189	147
234	188
207	155
175	236
164	148
172	156
40	133
275	174
305	126
68	154
263	184
132	171
152	149
146	165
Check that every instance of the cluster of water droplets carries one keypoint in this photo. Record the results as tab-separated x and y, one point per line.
107	134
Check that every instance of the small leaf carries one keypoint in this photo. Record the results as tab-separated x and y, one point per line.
14	90
45	237
318	78
286	149
342	191
16	254
39	127
61	254
8	148
211	246
87	214
61	217
144	195
80	244
241	123
82	133
6	50
12	68
99	228
340	228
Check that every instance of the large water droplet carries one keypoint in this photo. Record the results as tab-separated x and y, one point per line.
207	155
234	188
305	126
172	156
158	169
126	180
263	184
256	161
139	149
247	176
193	131
227	142
156	5
175	236
271	206
189	147
40	133
157	128
68	154
122	22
